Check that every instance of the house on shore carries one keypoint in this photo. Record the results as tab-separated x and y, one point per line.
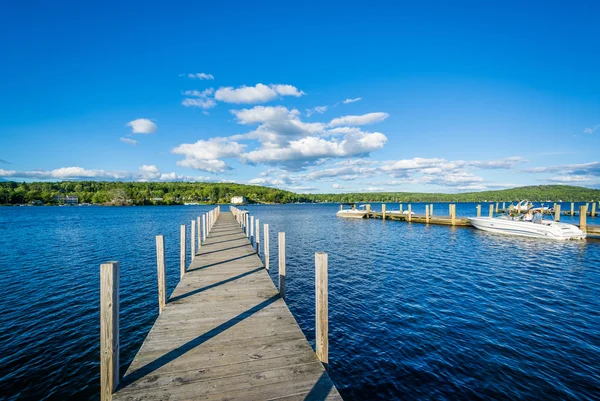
238	200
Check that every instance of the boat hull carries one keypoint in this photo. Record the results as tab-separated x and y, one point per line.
557	231
351	214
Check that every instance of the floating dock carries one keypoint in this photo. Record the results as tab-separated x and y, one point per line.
225	333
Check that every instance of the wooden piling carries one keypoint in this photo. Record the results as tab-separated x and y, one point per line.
204	228
160	263
453	214
322	308
491	210
368	207
478	210
199	239
248	225
593	213
258	237
556	212
496	207
383	211
427	214
583	218
251	229
504	206
266	247
281	243
193	240
409	212
401	208
572	209
341	207
182	229
431	209
109	329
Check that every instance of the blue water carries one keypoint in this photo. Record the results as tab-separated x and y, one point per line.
416	312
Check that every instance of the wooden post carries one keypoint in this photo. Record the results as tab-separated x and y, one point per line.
251	229
204	227
401	208
267	247
453	214
431	209
181	251
199	232
341	206
427	214
496	207
504	206
109	329
587	207
322	307
160	263
409	212
583	218
556	212
281	243
258	237
193	240
593	214
491	210
478	210
383	211
572	209
368	207
247	225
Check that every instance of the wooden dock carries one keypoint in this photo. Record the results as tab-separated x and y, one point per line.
225	333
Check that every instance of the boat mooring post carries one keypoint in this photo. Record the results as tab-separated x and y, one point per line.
583	218
557	212
409	212
491	210
193	240
281	244
182	229
427	214
496	207
431	209
401	208
258	237
453	214
383	211
199	231
109	329
478	210
160	264
322	306
593	214
572	209
266	247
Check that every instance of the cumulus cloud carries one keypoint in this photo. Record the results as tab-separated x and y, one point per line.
129	141
205	154
142	126
317	109
570	178
199	99
352	100
201	75
65	173
364	119
259	93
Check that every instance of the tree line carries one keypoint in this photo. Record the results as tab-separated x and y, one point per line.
174	193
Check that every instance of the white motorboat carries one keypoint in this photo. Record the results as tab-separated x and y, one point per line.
521	207
353	213
404	212
542	229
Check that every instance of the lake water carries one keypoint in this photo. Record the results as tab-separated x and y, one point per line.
416	312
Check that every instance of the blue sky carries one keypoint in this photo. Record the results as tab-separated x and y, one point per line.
312	97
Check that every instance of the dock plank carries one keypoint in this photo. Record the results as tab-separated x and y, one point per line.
226	334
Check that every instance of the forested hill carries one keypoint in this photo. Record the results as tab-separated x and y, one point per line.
146	193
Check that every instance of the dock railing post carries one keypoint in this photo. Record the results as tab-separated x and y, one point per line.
267	247
251	230
427	214
556	212
109	329
160	263
583	218
193	240
383	211
409	212
199	232
281	243
247	225
182	229
491	210
453	214
478	210
322	308
258	237
204	227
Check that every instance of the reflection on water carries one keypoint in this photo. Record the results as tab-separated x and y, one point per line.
416	311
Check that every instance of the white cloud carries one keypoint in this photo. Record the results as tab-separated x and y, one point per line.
365	119
268	181
201	75
205	154
592	168
65	173
592	129
259	93
142	126
197	93
317	109
128	140
352	100
570	178
199	99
